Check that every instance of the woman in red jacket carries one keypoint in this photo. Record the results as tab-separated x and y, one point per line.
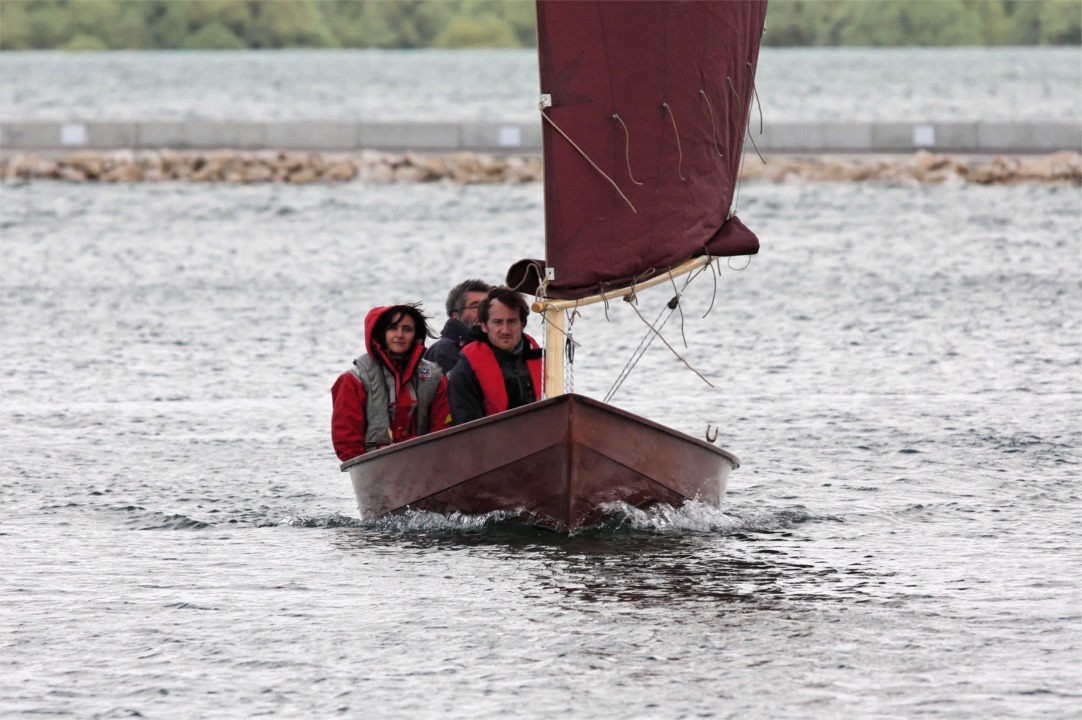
391	393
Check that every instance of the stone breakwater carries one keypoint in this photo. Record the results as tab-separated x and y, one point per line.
126	166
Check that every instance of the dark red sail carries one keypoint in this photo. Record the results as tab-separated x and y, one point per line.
650	104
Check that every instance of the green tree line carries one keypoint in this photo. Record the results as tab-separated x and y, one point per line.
274	24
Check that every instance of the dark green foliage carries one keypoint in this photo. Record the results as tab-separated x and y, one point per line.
214	36
888	23
237	24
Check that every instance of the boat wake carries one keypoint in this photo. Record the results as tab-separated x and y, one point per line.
662	519
410	521
695	517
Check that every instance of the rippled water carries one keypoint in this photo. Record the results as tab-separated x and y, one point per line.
900	371
854	84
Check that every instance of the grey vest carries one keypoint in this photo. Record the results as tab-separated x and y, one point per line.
379	388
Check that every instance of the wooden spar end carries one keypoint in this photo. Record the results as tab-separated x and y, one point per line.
544	306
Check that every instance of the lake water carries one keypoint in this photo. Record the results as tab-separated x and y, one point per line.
823	84
899	370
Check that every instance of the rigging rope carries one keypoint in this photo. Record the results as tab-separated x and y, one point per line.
713	128
678	355
679	150
714	272
678	306
569	351
586	157
654	330
627	148
748	134
644	345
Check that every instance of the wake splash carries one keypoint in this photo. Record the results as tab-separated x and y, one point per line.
696	517
660	519
410	521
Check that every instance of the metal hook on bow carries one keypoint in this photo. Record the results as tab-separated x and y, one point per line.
712	438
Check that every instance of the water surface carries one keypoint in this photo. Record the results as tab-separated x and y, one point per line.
898	369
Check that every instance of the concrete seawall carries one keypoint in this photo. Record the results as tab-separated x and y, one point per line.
512	137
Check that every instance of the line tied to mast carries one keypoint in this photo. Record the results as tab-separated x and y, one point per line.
586	157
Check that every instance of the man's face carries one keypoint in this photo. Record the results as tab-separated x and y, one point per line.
504	328
470	303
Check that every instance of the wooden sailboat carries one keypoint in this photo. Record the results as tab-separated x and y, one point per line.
644	106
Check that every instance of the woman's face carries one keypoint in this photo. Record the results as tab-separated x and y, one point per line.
400	334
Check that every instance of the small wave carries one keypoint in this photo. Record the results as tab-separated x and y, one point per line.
139	518
406	522
698	517
328	521
415	520
692	517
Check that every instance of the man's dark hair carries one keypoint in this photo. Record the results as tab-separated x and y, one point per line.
457	296
379	330
508	297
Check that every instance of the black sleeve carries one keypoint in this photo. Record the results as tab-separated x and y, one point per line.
444	353
464	394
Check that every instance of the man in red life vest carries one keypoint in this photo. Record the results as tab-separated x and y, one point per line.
501	368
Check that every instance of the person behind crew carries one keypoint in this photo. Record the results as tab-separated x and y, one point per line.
462	304
391	393
501	368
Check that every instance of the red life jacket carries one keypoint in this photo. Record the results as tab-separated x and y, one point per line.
487	369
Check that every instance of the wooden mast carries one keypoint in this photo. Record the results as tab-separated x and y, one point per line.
553	312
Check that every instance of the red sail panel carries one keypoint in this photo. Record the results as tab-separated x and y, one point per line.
650	100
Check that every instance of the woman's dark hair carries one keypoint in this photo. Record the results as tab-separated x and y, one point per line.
379	330
508	297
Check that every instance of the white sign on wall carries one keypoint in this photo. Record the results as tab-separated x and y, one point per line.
73	134
924	135
510	136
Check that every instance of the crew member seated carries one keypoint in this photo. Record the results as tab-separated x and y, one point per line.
501	368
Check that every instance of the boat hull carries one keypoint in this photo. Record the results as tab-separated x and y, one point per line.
553	464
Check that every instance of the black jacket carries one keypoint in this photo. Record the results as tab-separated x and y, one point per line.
446	351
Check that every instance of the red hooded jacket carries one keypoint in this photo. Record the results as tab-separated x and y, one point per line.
349	417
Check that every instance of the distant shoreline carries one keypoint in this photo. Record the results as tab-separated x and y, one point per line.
377	167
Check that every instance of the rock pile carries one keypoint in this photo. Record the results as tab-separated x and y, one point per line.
472	168
924	167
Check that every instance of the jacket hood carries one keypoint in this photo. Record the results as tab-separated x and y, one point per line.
377	351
